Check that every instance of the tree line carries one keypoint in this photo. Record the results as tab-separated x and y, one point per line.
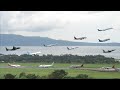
56	74
67	58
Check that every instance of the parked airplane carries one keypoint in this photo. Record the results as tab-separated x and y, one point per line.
50	45
72	48
76	66
46	66
105	29
14	48
113	67
108	51
13	65
81	38
35	53
103	40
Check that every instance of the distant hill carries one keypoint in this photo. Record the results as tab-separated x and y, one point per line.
18	40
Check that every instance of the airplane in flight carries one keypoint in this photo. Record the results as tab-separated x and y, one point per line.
81	38
72	48
105	29
14	48
103	40
46	66
13	65
50	45
108	51
35	53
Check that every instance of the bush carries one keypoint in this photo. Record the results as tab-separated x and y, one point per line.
43	77
32	76
57	74
82	76
69	77
22	75
9	76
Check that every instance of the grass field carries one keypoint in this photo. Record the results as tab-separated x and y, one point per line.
71	72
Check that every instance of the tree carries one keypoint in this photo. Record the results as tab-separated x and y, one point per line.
22	75
9	76
82	76
57	74
32	76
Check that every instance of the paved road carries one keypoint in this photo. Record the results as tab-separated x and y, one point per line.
33	67
92	69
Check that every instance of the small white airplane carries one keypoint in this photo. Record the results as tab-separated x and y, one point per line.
109	67
13	65
50	45
103	40
105	29
46	66
81	38
72	48
33	54
76	66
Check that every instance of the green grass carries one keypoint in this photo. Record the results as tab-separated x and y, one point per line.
71	72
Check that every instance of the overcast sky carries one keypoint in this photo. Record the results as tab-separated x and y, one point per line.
63	25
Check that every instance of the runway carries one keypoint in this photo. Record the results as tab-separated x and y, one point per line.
23	67
65	68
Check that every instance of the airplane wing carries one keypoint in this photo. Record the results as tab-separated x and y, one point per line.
105	29
108	28
36	53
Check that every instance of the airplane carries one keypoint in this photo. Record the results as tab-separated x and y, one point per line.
109	69
72	48
33	54
46	66
13	65
103	40
113	67
108	51
105	29
50	45
81	38
14	48
76	66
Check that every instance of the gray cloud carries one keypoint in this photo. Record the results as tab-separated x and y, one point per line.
62	25
94	12
29	21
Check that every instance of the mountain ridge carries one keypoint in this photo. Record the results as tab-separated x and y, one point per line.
19	40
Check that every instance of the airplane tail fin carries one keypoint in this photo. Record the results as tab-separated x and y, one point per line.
52	64
82	65
9	64
113	66
99	40
103	51
67	48
75	37
6	49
